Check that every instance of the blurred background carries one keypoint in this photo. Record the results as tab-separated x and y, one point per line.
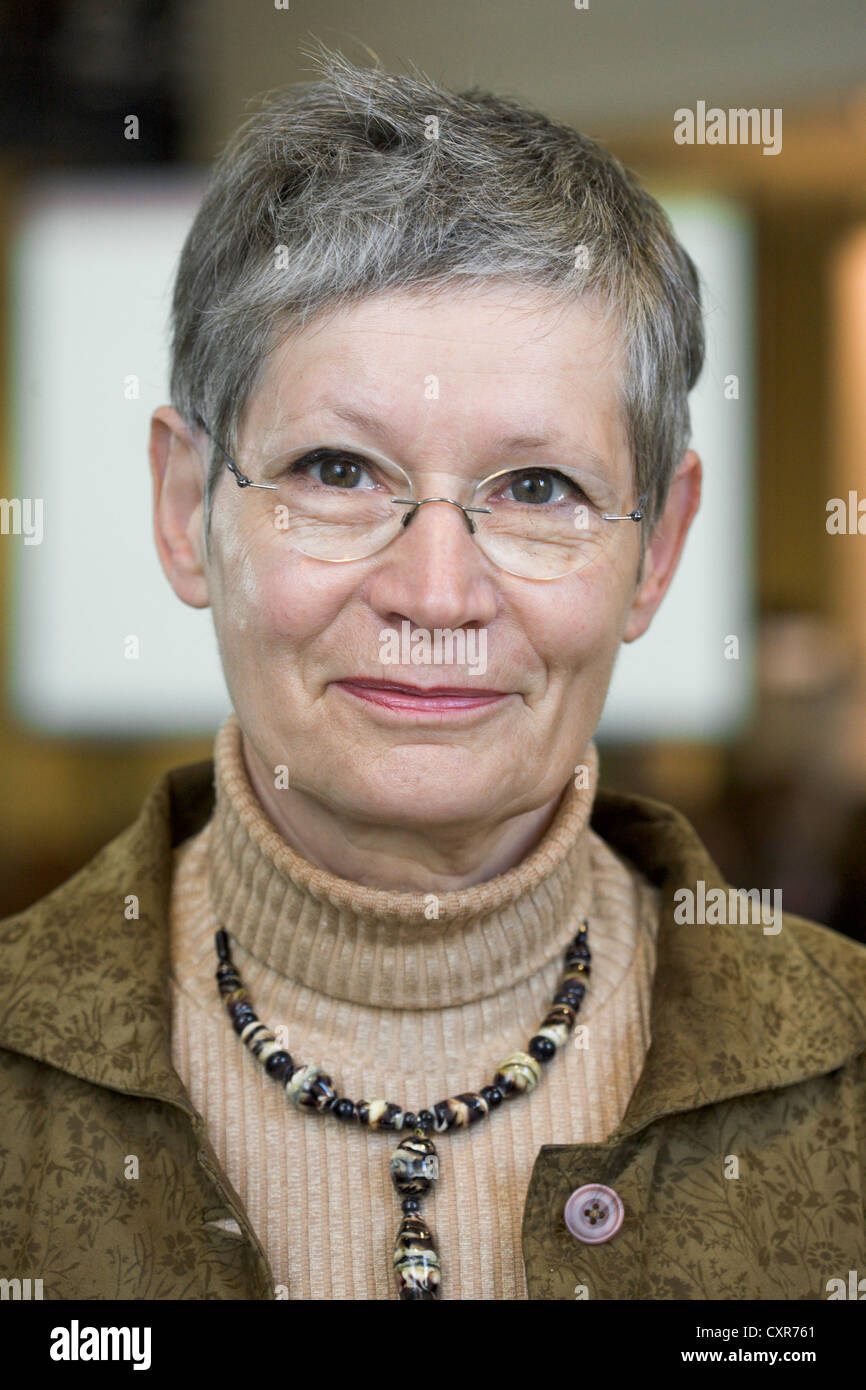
745	704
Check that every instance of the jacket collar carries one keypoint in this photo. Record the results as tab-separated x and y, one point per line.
733	1010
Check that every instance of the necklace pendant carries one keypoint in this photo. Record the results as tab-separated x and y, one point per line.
414	1169
417	1270
414	1165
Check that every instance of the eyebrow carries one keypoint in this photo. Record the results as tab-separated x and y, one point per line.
372	425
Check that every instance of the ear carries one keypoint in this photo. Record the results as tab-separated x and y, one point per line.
665	545
177	469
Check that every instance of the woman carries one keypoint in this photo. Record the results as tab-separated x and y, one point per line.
431	362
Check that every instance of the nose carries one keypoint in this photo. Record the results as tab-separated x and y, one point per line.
434	573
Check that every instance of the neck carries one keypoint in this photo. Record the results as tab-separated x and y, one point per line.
397	858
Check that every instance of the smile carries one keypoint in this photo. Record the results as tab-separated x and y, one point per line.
414	699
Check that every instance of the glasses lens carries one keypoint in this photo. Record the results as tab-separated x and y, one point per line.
544	523
334	504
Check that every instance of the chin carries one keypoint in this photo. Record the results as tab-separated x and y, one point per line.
409	814
432	800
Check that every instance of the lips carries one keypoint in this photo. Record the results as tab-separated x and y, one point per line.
420	690
407	700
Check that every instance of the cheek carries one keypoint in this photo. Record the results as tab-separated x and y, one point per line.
271	594
578	620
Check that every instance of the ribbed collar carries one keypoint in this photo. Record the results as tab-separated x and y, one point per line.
389	949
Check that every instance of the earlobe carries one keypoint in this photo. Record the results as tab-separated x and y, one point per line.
642	608
665	546
177	472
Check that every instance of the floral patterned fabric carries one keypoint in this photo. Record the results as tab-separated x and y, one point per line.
741	1158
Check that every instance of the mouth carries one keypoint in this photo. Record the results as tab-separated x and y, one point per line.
433	699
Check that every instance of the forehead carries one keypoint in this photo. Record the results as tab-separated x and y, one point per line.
452	377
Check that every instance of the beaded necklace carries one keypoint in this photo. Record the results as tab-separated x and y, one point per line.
414	1163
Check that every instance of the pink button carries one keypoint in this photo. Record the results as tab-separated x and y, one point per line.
594	1213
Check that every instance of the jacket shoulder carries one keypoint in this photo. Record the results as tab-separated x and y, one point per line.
95	948
837	957
665	846
177	805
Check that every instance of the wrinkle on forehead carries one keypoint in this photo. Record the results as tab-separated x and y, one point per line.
374	383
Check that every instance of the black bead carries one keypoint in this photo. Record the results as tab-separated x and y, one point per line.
410	1119
425	1119
222	945
344	1109
541	1048
444	1114
492	1095
571	994
280	1065
410	1204
241	1015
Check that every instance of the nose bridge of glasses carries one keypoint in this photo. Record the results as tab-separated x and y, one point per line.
413	505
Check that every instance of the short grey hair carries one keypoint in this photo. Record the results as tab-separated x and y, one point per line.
373	182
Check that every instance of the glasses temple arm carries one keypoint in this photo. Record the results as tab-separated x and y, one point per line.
636	515
240	478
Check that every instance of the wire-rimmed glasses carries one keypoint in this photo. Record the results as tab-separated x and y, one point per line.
339	502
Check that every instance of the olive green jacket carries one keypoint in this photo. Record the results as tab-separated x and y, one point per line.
741	1159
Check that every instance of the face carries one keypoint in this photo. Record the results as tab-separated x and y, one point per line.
296	632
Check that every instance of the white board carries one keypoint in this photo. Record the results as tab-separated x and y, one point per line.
677	681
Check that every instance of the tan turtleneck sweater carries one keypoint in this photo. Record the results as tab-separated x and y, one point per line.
397	1005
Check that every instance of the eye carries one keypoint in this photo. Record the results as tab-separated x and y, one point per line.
336	468
539	485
